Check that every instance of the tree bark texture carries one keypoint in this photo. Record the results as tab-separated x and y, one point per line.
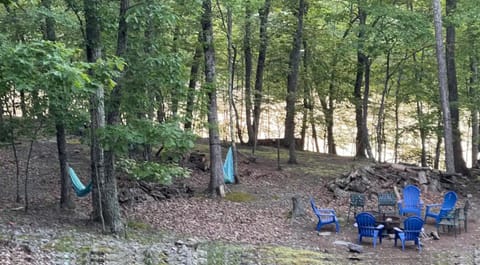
247	53
232	56
398	101
192	84
113	118
361	147
329	110
420	115
381	111
216	186
262	54
292	80
366	98
306	94
442	82
66	200
459	162
104	196
474	111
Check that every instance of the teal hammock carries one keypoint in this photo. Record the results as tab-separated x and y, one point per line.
228	176
80	189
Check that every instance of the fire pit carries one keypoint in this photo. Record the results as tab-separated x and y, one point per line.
388	220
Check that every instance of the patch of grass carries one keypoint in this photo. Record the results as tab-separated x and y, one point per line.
137	225
284	255
65	244
239	197
220	254
224	253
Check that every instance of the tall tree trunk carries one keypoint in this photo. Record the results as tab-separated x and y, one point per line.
217	185
292	80
66	201
192	84
329	120
442	81
423	132
420	115
232	54
176	92
104	195
474	111
438	145
306	94
361	147
262	54
328	106
459	162
366	98
381	109
397	119
113	118
247	52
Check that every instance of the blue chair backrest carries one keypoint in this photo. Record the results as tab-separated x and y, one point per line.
366	224
411	196
449	201
412	226
314	207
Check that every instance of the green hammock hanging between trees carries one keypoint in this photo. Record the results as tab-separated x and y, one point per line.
80	189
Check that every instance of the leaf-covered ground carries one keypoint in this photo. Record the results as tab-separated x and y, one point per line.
255	220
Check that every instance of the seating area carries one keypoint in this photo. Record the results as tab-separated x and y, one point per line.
398	217
368	227
325	216
440	211
411	202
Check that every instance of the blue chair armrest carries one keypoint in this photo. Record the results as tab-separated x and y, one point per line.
432	206
326	211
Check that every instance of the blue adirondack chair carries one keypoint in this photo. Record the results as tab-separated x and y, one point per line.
367	227
411	202
325	216
412	227
441	210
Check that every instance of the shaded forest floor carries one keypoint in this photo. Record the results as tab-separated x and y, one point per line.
251	226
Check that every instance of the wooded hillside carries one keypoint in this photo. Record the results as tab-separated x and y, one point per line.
139	80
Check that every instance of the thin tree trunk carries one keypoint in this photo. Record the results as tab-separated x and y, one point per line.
381	110
66	201
423	132
232	54
306	95
104	195
247	52
438	145
396	144
420	116
444	98
192	84
216	186
18	198
113	118
262	54
474	111
366	96
23	105
459	162
292	80
357	93
332	147
29	158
